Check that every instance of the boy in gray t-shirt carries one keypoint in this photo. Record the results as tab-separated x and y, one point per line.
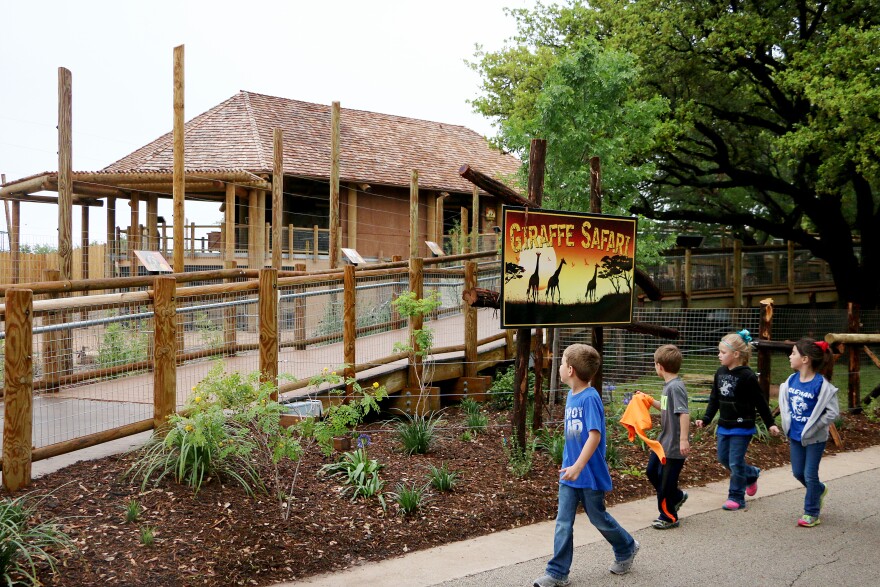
675	422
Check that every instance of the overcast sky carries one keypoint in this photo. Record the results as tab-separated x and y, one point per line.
391	56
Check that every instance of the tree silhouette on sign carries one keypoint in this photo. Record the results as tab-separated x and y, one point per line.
618	270
513	271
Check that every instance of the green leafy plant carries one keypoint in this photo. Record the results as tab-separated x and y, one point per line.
409	498
148	535
210	333
232	429
133	511
469	406
442	479
612	455
421	339
417	432
341	417
26	542
632	471
121	345
466	436
477	421
360	475
553	442
502	388
519	460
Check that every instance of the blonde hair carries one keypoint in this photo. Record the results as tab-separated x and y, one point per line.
669	357
735	342
584	359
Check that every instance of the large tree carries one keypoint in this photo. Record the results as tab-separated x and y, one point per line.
772	128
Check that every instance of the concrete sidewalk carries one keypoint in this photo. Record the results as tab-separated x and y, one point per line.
758	546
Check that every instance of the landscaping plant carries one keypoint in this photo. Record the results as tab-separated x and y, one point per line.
417	433
360	475
442	479
409	498
26	541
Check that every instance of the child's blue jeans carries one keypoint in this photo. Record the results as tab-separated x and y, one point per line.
563	540
732	455
805	467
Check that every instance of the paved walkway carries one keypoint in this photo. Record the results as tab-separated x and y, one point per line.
758	546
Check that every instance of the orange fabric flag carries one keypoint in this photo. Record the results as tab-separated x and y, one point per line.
637	418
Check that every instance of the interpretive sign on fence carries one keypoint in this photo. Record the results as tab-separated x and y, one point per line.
566	268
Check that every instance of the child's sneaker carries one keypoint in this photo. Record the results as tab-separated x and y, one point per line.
808	521
548	581
730	505
822	497
752	489
684	498
662	524
623	567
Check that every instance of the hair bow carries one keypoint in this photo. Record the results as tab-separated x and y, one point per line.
745	335
822	345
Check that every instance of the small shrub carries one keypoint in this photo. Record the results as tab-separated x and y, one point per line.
477	421
121	345
502	388
148	535
466	436
519	460
553	443
469	406
360	475
133	511
24	542
418	432
409	499
633	471
613	456
442	479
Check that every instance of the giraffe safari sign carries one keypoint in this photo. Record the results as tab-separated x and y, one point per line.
565	268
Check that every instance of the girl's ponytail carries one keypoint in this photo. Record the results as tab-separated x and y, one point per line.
819	353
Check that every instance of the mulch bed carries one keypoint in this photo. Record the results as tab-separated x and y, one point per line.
223	537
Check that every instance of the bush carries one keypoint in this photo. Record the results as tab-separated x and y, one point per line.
519	459
409	499
417	432
360	474
553	443
502	388
25	542
120	346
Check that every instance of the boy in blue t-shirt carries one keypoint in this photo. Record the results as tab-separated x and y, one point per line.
584	477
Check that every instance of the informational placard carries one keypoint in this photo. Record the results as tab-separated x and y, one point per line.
566	268
435	248
153	261
353	256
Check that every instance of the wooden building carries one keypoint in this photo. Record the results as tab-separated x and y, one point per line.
229	158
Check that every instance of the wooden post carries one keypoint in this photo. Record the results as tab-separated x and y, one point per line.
229	221
414	214
290	235
315	234
853	314
152	243
65	177
254	222
277	196
192	240
267	231
230	317
334	186
537	153
416	285
178	175
737	274
299	313
349	326
475	220
598	335
538	414
470	322
396	290
14	241
84	241
164	350
352	217
19	389
164	239
438	219
109	268
268	315
464	237
688	277
765	331
134	235
53	351
790	272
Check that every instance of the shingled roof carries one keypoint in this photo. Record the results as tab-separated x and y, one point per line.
374	148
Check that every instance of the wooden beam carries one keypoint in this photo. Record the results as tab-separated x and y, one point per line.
65	180
268	327
494	187
152	243
19	390
15	242
229	220
334	185
414	214
277	195
164	350
351	206
77	200
179	179
84	241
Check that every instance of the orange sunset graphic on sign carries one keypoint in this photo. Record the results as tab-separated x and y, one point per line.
562	268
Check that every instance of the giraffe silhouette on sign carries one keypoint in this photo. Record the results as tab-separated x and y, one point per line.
553	284
591	286
534	280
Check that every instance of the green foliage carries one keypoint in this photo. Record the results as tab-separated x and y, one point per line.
477	421
133	511
232	430
148	535
210	334
553	442
502	388
452	245
341	418
519	460
418	432
409	498
121	345
470	406
360	475
442	479
409	306
632	471
27	541
467	436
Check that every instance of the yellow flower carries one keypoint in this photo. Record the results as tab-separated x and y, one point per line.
325	369
188	428
193	388
375	385
334	373
198	398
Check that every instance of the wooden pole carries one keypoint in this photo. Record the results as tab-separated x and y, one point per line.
15	242
254	262
688	277
134	234
111	238
192	240
152	243
349	327
230	315
853	313
438	219
470	323
352	217
414	214
84	241
765	331
475	219
416	285
268	315
65	174
598	335
164	351
737	274
315	238
299	313
790	272
178	174
277	196
229	220
18	390
334	186
464	237
53	351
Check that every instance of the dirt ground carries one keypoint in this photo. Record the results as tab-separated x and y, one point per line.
223	537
